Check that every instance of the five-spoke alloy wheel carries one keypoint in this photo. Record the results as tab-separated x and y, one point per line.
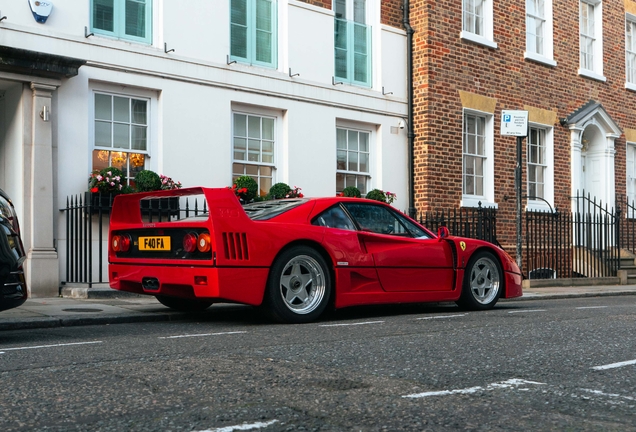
299	286
483	282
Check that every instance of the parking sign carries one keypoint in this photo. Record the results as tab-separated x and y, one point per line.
514	123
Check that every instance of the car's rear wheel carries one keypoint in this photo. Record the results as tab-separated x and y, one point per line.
299	286
483	282
184	305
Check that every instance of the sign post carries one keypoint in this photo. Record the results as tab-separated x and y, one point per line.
515	123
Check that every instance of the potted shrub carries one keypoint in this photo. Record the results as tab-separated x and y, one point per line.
148	181
245	188
103	185
278	191
351	191
380	195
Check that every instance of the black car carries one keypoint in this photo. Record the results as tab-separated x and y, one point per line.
12	282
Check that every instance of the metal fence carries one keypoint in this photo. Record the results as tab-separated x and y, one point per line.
478	223
87	217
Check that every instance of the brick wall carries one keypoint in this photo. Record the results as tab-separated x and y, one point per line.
444	65
391	10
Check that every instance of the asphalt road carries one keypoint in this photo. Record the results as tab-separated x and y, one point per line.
532	365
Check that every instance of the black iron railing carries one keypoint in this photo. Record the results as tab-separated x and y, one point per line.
472	222
87	217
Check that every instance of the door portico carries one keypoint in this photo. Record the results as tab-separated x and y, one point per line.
592	152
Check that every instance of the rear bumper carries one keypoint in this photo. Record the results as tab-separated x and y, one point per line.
233	284
513	285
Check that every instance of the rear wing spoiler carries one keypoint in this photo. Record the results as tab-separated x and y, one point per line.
219	202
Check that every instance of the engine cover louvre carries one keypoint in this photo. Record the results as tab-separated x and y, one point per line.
235	246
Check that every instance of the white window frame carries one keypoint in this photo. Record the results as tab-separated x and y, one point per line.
596	72
548	185
485	38
547	57
152	120
630	20
357	127
488	198
119	22
263	113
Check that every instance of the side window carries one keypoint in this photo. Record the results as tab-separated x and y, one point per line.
381	220
334	217
253	32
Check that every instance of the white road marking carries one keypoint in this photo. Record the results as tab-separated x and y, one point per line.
441	316
201	335
242	427
591	307
351	324
524	311
515	382
615	365
612	395
49	346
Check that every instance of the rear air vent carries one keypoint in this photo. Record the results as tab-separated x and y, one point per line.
235	246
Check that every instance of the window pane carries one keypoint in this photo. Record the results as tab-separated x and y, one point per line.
364	162
340	8
139	111
238	13
253	127
238	45
121	109
103	137
341	158
121	136
103	13
268	128
240	125
251	170
267	171
353	140
364	142
136	18
264	28
237	170
254	150
340	182
359	11
103	107
352	161
341	138
139	138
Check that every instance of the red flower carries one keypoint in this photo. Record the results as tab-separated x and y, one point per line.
94	190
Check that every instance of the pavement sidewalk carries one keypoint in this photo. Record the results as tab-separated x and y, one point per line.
102	305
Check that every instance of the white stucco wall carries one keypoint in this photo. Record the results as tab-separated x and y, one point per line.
193	92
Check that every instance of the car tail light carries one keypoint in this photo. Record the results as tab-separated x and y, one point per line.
203	243
190	242
121	243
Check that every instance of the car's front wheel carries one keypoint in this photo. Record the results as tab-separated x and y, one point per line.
184	305
483	282
299	286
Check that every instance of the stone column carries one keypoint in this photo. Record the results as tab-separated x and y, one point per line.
42	266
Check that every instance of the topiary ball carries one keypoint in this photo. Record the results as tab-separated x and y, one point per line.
278	191
250	184
146	181
351	191
377	195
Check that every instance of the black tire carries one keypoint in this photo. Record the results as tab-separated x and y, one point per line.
298	287
483	282
184	305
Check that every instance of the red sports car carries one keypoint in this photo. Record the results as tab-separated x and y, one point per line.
295	257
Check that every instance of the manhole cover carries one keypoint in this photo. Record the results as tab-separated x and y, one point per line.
81	310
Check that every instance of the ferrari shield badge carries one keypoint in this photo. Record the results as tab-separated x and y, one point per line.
462	245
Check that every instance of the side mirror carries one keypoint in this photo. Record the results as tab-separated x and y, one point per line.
442	232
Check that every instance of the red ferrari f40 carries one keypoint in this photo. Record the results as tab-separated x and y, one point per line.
295	257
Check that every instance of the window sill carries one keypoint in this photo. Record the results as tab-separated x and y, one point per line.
630	86
472	37
591	74
538	58
473	201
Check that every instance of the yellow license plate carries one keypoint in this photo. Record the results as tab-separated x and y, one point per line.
159	243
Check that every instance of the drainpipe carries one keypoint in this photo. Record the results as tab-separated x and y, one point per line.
409	124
